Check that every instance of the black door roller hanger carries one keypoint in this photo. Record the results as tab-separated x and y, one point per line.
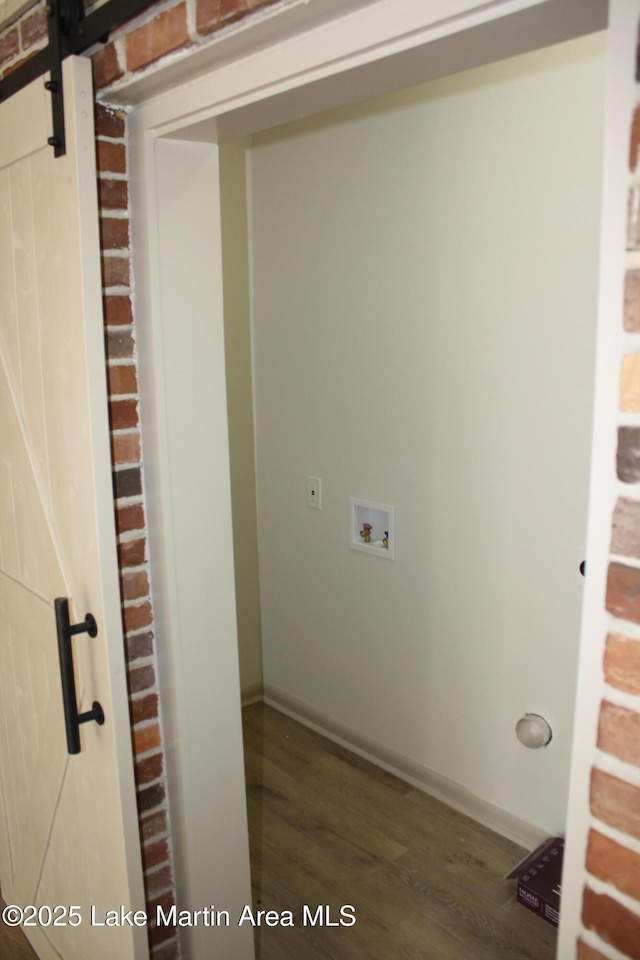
70	31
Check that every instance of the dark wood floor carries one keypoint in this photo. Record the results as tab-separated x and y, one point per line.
326	827
13	943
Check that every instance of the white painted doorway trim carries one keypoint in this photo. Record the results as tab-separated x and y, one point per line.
590	687
298	60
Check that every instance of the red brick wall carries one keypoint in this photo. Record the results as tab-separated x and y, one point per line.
611	901
149	37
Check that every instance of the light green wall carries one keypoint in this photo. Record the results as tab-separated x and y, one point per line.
424	293
233	199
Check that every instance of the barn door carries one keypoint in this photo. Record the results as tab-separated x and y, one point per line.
68	829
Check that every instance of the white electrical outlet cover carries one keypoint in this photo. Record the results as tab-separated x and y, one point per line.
314	492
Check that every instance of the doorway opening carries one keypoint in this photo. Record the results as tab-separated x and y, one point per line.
421	331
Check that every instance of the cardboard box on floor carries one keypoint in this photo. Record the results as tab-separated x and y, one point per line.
538	877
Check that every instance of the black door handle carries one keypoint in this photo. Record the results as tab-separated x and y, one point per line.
73	719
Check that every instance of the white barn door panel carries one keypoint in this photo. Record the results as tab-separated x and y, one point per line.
68	824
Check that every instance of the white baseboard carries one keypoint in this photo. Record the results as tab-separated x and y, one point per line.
526	834
253	693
